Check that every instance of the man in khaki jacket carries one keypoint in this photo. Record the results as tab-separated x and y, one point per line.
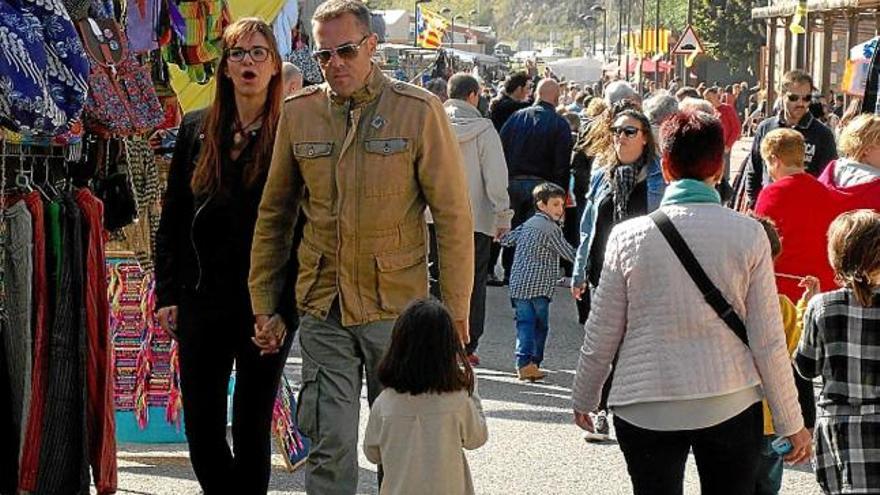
362	157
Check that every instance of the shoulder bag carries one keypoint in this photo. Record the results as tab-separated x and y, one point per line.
710	292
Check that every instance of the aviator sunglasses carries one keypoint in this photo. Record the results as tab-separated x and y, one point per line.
793	98
347	51
627	130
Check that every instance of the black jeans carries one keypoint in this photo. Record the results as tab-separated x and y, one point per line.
727	455
482	254
211	338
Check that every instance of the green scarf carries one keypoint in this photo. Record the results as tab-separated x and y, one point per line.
689	191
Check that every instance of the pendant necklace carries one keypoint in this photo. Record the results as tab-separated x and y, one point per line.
240	131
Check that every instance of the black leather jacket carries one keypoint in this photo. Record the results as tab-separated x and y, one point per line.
203	243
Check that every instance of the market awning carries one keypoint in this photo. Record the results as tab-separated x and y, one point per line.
649	65
787	8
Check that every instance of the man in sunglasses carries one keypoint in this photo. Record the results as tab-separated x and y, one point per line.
796	93
361	157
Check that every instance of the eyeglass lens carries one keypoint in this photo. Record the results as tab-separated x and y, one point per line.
257	53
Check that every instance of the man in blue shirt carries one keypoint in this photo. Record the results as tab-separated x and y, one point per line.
537	146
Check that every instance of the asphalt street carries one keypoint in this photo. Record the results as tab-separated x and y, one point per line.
534	448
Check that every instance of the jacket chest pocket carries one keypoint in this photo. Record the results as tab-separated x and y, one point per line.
316	166
388	167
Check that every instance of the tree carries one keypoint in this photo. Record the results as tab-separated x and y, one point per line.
728	31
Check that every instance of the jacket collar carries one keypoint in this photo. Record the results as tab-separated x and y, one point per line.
376	82
541	103
805	122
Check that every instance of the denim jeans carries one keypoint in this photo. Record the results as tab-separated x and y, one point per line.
532	326
770	469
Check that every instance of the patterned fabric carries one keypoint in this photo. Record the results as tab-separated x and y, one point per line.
303	59
539	244
122	100
42	67
840	343
623	179
848	454
141	25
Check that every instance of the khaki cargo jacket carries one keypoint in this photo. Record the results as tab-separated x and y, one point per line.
363	170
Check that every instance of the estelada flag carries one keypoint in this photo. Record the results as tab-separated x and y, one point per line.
431	28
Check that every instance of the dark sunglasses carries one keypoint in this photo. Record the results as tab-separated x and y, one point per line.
626	130
793	98
347	51
257	53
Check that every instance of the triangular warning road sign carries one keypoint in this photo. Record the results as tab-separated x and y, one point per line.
688	43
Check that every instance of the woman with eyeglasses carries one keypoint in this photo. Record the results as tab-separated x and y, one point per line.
215	184
627	183
686	380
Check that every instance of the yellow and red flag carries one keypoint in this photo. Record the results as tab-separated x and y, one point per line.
430	28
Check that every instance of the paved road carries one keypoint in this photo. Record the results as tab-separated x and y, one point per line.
533	449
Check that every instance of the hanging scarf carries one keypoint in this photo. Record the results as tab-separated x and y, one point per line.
623	181
689	191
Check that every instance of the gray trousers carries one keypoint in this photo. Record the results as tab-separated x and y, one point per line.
16	331
334	360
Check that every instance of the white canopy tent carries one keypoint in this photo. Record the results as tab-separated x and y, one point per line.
581	69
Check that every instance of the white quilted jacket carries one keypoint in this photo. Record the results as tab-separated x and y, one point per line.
673	346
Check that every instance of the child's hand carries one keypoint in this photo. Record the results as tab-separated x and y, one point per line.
811	286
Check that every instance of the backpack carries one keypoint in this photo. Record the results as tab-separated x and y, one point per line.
122	101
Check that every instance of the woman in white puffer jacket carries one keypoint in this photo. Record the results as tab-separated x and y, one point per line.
683	378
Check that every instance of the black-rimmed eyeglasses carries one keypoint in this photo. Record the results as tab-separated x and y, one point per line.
257	53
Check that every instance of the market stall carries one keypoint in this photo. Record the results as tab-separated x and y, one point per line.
86	85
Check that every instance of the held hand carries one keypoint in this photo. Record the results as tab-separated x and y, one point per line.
578	291
167	317
464	335
499	233
584	421
801	447
811	286
269	333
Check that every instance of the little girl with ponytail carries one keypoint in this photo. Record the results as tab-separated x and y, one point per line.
841	343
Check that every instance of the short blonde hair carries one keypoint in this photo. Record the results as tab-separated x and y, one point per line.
861	133
785	144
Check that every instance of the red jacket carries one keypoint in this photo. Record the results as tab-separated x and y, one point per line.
802	209
730	123
865	195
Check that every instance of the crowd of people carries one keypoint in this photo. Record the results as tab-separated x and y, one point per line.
336	212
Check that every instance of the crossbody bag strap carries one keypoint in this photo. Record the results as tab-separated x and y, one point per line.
710	292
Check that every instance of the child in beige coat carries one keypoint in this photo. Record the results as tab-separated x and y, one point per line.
429	410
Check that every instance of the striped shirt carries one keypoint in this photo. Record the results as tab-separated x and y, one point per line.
539	244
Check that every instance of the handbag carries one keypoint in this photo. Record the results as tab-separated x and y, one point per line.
710	292
291	442
122	101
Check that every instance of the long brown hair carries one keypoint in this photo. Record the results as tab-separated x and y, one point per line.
221	116
854	252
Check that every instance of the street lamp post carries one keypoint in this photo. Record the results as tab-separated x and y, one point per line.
597	9
416	25
448	12
456	18
591	23
619	35
471	15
